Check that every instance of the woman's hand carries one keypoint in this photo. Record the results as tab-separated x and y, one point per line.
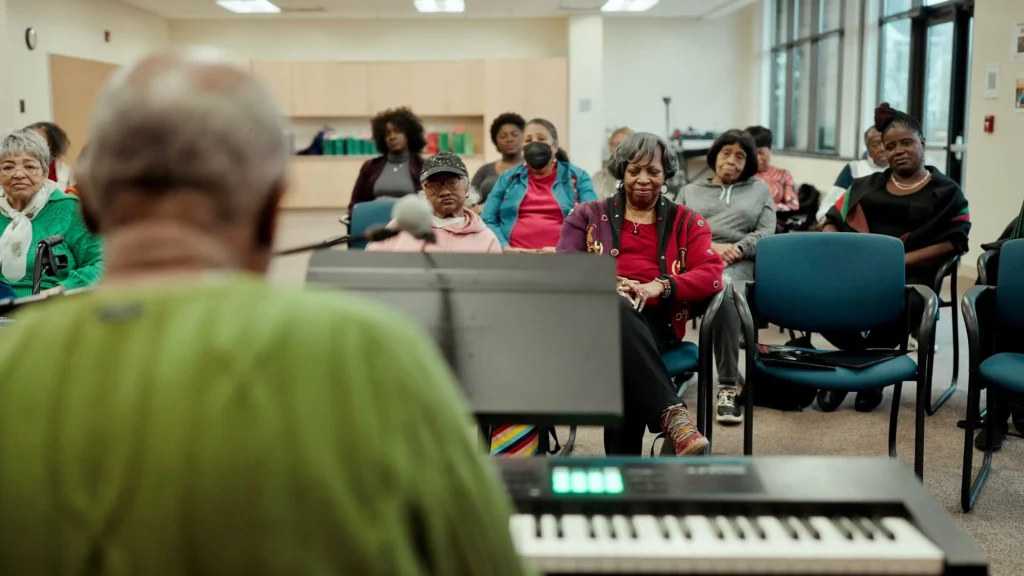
729	252
644	292
547	250
511	250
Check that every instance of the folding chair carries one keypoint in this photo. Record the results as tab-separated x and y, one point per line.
366	215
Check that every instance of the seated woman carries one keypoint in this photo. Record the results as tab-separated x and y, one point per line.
507	137
779	180
57	141
399	137
665	262
528	204
910	201
874	161
31	209
740	211
604	184
445	182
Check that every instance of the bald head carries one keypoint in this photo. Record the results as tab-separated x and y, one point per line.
185	122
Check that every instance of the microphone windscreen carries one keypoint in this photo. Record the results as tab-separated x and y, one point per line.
414	215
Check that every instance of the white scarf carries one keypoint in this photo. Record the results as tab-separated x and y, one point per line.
16	241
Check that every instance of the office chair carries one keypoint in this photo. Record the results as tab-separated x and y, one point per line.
994	319
366	215
949	268
831	282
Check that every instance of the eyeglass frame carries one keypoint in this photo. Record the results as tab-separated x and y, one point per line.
12	169
435	187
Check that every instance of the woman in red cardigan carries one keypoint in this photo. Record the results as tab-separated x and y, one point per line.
665	262
400	138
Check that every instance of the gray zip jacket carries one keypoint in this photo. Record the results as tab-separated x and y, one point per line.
739	214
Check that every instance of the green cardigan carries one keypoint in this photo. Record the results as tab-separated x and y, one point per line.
61	215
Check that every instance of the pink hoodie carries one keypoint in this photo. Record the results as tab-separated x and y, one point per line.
470	235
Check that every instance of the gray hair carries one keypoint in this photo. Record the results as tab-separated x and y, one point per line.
187	120
642	146
25	142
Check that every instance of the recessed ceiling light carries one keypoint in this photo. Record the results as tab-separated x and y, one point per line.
628	5
249	6
440	5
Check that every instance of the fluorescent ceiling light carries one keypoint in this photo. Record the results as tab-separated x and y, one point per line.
440	5
249	6
628	5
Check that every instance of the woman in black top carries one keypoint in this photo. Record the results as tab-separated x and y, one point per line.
507	137
915	203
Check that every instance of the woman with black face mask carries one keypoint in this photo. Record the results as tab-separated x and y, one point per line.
528	204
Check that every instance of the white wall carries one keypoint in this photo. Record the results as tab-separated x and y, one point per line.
586	91
692	61
70	28
993	184
377	40
6	107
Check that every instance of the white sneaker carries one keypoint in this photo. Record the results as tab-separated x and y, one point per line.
726	411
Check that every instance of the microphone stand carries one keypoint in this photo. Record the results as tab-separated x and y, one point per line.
324	245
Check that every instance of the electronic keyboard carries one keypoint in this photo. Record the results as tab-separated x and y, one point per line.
763	515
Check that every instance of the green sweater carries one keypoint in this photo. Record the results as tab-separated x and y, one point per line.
226	426
61	215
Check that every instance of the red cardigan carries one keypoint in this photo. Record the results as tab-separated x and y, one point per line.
362	191
685	255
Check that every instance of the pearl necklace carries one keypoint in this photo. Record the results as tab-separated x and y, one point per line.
636	225
912	186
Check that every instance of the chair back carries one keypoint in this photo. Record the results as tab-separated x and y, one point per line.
1010	284
821	281
366	215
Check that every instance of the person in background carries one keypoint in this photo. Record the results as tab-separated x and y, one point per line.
665	263
58	143
875	162
604	183
400	138
228	417
507	137
740	210
446	184
912	202
32	208
779	180
528	203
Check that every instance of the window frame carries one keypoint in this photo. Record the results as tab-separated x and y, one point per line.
811	43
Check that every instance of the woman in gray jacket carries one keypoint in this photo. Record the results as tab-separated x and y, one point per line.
740	211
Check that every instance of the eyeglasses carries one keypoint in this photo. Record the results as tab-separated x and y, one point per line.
435	187
30	169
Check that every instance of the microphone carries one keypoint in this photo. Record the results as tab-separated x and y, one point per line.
411	214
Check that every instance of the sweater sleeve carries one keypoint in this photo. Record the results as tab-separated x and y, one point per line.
790	198
574	232
703	276
585	188
361	186
88	252
765	227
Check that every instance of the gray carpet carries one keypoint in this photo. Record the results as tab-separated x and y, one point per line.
995	524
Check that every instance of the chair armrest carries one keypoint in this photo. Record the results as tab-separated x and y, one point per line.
706	325
985	261
926	337
346	220
740	297
947	267
977	305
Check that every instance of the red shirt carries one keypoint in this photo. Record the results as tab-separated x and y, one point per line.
638	253
540	217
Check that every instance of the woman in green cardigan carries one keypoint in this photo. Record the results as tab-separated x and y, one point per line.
31	209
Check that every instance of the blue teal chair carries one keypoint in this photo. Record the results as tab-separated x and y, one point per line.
366	215
831	282
690	358
950	268
994	318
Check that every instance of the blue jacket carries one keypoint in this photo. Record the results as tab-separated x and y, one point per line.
501	210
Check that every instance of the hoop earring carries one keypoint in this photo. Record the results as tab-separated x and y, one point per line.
619	185
664	188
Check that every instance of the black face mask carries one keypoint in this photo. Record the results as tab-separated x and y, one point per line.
537	154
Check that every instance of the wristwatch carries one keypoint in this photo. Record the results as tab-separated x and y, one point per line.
667	284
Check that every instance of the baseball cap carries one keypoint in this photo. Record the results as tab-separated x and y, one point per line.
443	162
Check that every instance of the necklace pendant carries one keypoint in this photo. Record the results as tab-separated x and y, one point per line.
636	231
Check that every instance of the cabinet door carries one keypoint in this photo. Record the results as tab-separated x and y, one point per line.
547	94
278	76
464	96
349	84
311	90
504	90
392	85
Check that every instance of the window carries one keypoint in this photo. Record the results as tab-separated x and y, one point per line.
807	55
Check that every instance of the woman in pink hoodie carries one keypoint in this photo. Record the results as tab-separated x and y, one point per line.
446	184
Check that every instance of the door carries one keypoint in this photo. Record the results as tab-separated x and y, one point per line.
925	67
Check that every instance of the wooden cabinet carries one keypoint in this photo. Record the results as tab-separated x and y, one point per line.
392	85
533	88
464	87
278	76
330	89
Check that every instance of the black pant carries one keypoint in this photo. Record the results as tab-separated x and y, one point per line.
647	387
895	333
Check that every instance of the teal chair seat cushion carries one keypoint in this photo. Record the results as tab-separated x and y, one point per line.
1005	370
681	359
899	369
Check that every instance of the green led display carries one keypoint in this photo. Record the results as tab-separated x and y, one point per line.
560	480
613	481
595	482
579	482
565	480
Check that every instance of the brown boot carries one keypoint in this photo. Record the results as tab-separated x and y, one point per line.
682	432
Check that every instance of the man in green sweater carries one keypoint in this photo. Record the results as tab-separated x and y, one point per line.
186	417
